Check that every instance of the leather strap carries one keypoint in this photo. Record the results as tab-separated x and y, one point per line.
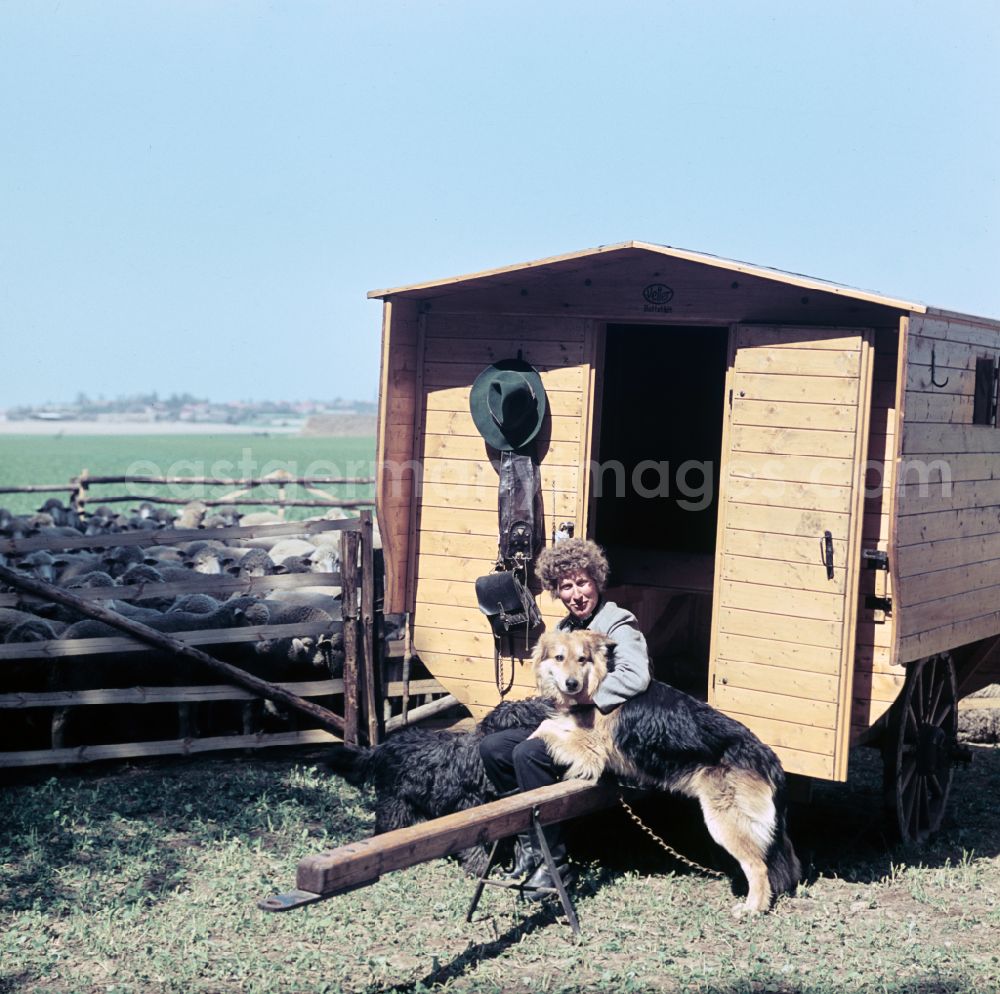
519	505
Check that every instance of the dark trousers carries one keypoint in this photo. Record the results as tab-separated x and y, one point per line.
515	762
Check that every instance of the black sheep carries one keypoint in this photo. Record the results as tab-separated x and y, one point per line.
240	611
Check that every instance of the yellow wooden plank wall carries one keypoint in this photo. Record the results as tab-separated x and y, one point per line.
948	496
394	481
456	511
877	680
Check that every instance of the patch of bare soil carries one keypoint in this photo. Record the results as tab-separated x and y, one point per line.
341	425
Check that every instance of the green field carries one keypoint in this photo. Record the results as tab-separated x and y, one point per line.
56	459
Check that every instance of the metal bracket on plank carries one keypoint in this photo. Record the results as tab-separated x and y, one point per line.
289	900
299	898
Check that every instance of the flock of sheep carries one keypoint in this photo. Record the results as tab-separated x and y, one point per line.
162	562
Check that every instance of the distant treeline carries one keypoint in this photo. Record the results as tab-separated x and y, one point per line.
184	407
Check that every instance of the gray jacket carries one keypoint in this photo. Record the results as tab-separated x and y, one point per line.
631	673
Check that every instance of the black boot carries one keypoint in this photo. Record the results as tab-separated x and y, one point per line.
534	886
527	856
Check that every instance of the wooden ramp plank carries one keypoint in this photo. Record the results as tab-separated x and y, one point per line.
359	863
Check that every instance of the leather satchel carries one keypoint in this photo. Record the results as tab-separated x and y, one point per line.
507	603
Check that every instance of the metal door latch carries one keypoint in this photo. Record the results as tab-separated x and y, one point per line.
828	553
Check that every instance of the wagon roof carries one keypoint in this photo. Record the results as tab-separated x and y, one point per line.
572	260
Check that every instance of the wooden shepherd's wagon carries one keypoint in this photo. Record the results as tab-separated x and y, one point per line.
796	482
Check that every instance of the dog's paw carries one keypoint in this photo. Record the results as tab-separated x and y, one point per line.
552	729
744	910
583	771
542	729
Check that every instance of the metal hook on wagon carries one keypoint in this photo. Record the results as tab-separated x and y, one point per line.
934	382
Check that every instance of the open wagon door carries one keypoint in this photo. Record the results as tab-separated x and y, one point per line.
789	538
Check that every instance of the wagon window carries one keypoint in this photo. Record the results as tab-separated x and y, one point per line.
984	407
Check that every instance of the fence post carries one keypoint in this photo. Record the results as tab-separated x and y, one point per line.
78	498
370	670
349	579
59	716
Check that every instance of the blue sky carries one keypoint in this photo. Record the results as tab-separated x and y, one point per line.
197	195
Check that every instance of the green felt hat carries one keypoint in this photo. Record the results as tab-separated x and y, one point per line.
508	404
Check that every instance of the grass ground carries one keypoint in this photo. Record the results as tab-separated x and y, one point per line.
144	879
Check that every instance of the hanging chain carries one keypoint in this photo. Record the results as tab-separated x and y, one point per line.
498	667
518	564
663	845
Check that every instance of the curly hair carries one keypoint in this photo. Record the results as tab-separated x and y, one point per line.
572	555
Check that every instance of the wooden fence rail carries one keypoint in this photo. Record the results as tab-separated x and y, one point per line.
38	488
277	477
175	695
218	481
102	646
71	755
245	501
68	755
79	486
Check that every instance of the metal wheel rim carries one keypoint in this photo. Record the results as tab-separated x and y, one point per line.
928	712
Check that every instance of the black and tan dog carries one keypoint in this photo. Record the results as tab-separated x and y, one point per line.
668	740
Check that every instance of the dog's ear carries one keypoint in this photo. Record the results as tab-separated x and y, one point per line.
541	647
602	645
543	678
609	648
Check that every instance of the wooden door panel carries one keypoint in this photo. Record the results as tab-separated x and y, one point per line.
782	488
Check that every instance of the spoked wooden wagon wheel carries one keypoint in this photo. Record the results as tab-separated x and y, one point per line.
921	747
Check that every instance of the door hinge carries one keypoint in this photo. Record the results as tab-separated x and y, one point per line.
875	559
874	603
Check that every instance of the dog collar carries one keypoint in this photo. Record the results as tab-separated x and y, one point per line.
576	623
